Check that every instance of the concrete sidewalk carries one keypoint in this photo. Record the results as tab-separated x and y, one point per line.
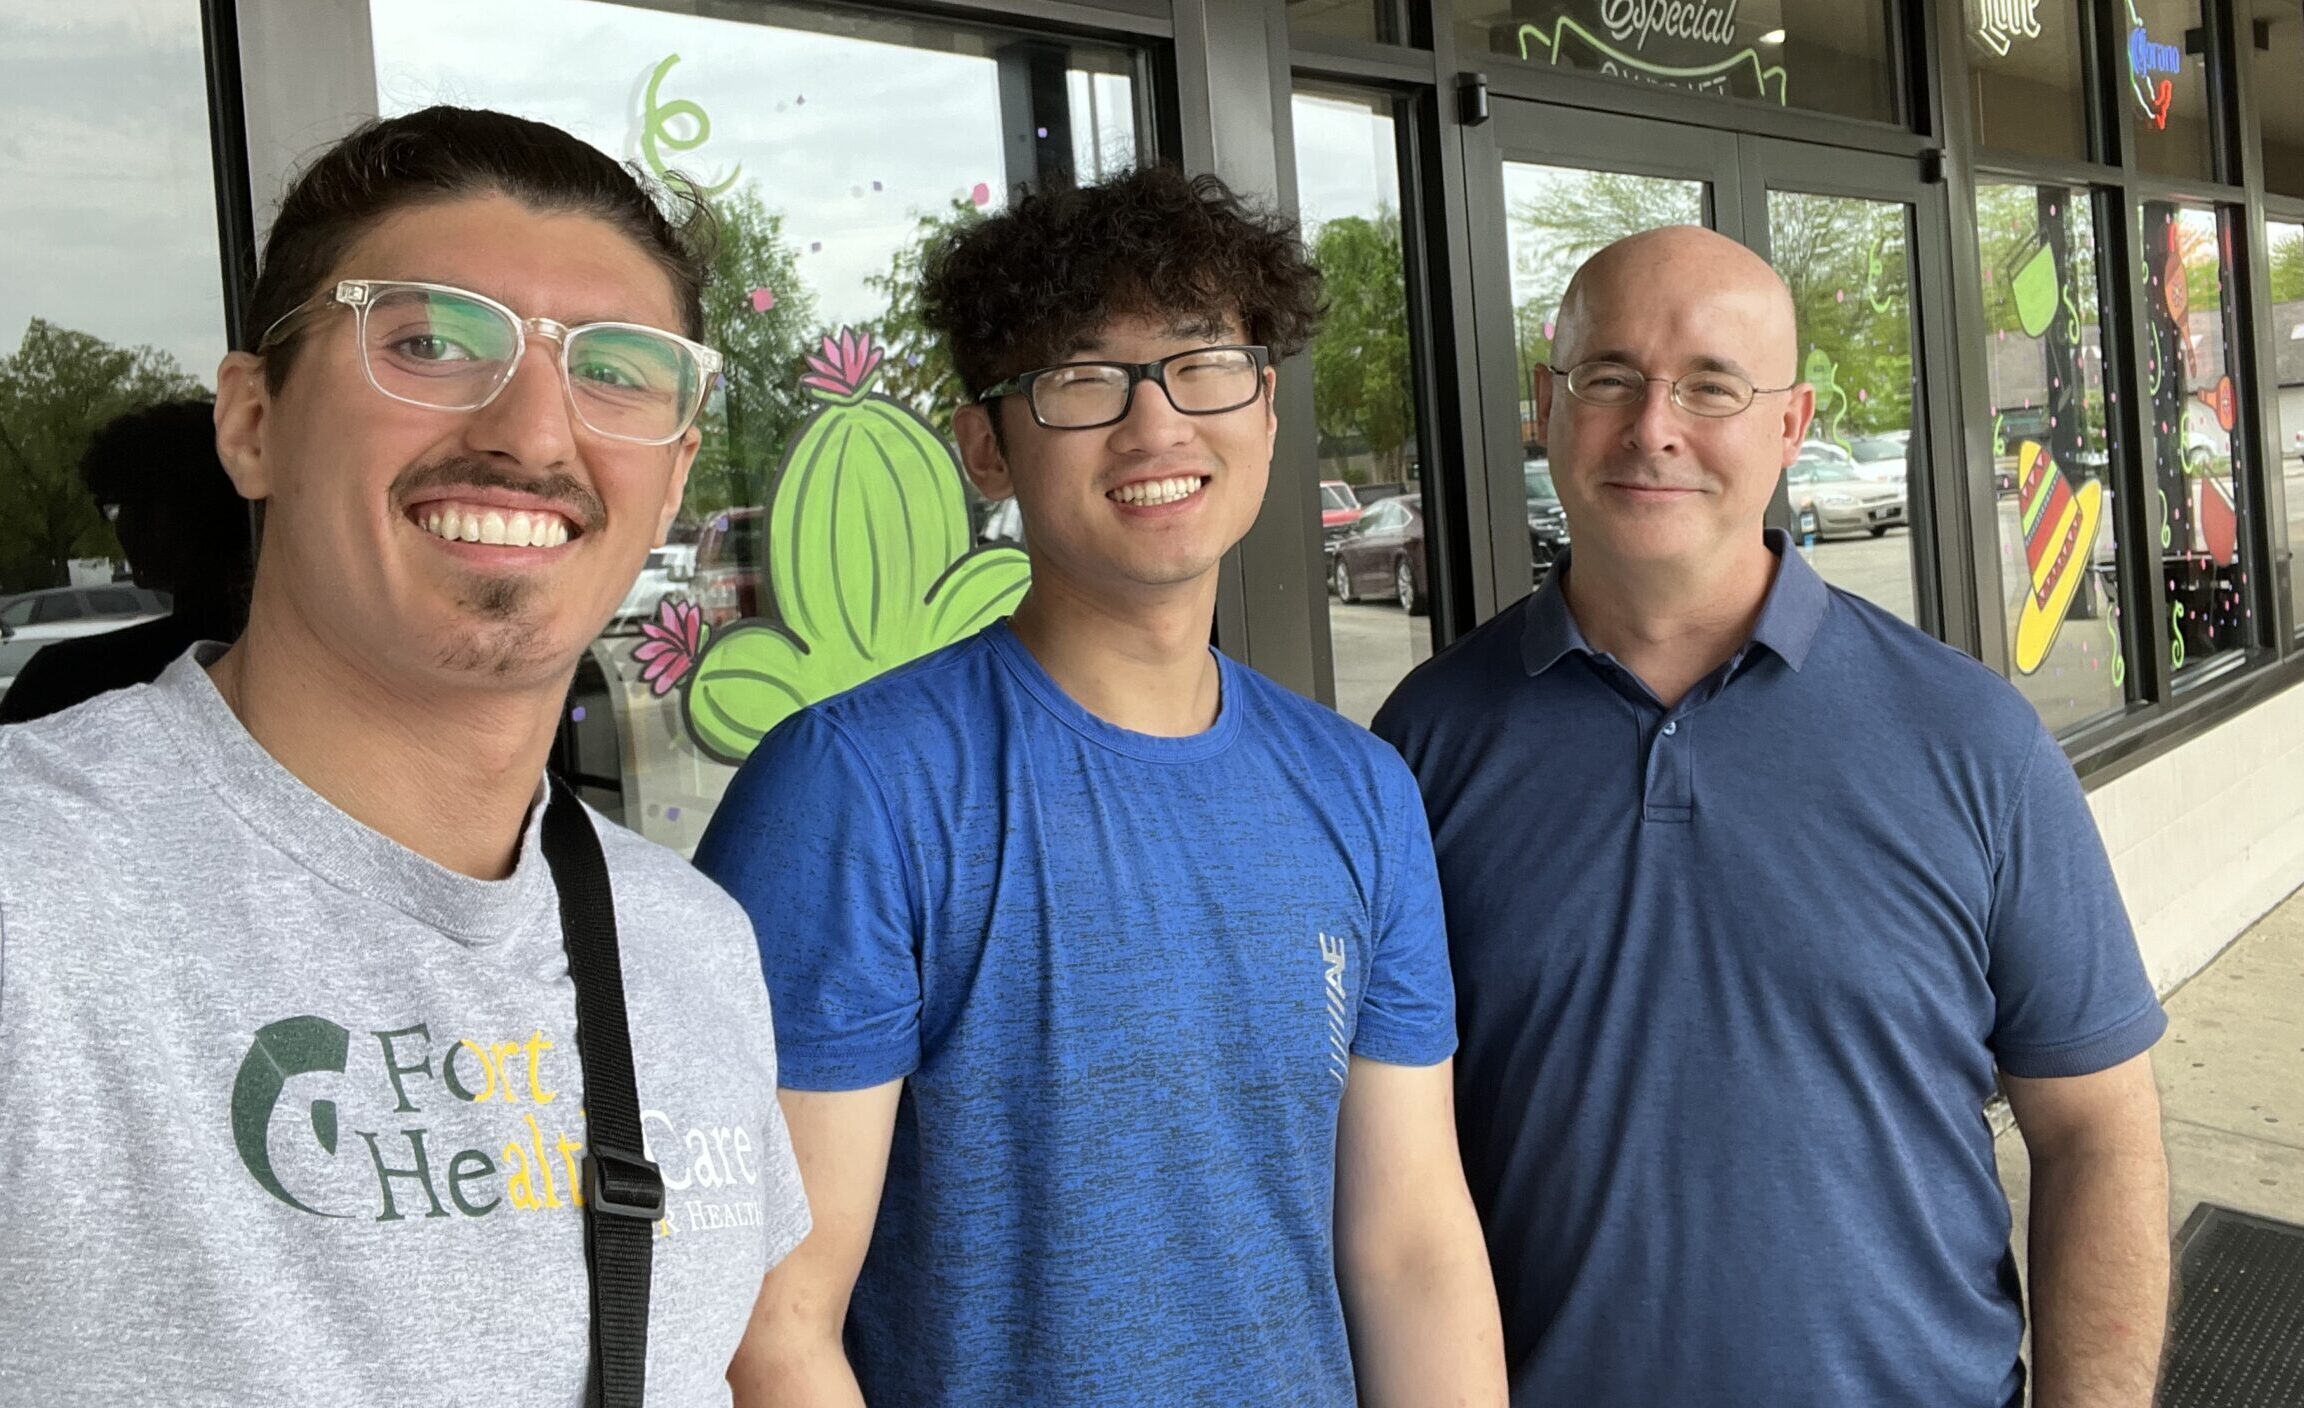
2231	1074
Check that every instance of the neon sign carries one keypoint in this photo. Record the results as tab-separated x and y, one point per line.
2146	59
1741	74
1998	22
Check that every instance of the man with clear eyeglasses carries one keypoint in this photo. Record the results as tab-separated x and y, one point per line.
1111	990
289	1059
1753	891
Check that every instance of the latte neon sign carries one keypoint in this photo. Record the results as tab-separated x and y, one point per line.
2000	22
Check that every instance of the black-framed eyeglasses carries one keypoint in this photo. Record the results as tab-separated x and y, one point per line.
1206	381
1710	393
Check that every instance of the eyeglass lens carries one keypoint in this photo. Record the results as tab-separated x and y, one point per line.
1705	393
1096	393
441	349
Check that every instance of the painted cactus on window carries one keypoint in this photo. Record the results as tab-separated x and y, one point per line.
868	560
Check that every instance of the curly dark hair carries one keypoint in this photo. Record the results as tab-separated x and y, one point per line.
442	153
1023	288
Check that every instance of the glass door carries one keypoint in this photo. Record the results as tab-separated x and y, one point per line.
1854	235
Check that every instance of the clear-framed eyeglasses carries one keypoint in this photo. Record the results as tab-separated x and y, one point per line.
1204	381
1707	393
455	350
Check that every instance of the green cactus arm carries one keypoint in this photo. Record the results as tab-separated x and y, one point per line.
979	589
868	514
750	679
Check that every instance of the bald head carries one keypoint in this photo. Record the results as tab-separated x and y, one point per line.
1682	267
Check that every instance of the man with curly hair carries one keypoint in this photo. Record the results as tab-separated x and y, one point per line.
1111	991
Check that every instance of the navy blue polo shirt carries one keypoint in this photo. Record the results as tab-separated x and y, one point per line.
1732	980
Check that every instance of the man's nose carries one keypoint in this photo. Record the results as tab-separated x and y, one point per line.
1657	420
530	420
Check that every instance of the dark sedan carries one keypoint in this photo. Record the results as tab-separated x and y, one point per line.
1383	555
1547	521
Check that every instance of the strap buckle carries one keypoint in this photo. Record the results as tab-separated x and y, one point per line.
622	1183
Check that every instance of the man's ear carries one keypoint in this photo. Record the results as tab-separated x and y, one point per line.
684	459
981	453
1799	410
242	403
1543	390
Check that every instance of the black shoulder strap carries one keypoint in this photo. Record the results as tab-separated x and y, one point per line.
623	1192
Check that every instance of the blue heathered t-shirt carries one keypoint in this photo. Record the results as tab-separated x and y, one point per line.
1121	977
1732	981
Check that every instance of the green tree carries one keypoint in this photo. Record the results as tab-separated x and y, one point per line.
918	372
2287	266
763	349
1360	371
55	390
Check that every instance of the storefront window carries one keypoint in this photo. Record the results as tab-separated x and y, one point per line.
1340	19
109	298
1820	55
2284	245
2195	454
2275	44
1374	548
2024	77
1559	216
832	147
2163	79
2051	471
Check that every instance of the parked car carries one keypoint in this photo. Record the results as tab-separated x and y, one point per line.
667	573
731	559
1003	524
33	619
1380	489
1339	509
1547	520
1383	556
1886	456
1823	480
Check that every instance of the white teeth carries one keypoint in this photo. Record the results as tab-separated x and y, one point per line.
513	528
1157	491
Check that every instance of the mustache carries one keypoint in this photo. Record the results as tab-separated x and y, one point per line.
564	491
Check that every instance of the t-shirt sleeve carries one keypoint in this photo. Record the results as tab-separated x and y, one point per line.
1408	1013
804	841
2068	984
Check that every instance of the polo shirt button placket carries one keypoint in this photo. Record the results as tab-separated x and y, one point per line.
1666	793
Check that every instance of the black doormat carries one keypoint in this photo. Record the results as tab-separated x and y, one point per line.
2238	1340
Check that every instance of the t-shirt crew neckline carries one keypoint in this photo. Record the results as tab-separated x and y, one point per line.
1144	747
335	846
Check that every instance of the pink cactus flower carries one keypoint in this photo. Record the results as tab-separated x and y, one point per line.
845	364
674	640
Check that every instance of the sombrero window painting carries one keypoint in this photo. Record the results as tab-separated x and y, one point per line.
2059	562
2190	425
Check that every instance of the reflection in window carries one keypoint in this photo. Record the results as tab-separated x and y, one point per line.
2024	77
2162	77
1847	265
833	147
2051	473
110	300
1363	396
2284	246
2276	46
2189	427
1342	19
1821	55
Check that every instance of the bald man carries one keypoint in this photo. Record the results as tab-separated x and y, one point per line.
1753	891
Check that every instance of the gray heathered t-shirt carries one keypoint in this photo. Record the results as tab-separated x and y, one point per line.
290	1114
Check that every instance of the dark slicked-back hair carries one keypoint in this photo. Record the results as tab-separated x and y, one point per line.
1026	287
446	153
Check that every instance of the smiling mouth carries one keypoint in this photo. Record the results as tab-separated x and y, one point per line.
1151	493
479	523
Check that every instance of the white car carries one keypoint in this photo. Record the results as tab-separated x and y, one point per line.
666	573
33	619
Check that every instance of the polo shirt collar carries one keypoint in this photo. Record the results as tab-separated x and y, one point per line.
1789	618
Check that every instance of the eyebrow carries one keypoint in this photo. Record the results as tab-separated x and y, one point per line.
576	322
1209	330
1703	362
